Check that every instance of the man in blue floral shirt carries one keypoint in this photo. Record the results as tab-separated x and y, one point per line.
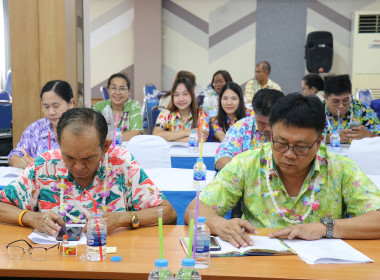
353	118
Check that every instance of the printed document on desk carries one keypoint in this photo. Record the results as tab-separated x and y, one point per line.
326	251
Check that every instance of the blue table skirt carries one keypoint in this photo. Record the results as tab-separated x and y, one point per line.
180	200
188	162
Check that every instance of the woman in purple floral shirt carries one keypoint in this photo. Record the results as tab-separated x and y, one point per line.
57	97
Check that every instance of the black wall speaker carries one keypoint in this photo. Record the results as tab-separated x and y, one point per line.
319	52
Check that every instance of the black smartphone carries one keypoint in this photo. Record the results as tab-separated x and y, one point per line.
73	233
214	245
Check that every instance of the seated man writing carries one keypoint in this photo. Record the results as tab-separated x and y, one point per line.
55	189
353	118
250	132
293	184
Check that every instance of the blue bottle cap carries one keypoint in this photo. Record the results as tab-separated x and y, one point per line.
188	262
201	219
193	131
335	131
115	258
199	159
118	129
161	262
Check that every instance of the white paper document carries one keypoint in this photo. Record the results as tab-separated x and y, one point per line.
326	251
42	238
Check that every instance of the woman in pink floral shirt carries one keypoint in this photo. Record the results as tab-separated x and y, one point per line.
231	109
183	115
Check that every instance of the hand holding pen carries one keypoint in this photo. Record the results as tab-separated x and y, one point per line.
28	159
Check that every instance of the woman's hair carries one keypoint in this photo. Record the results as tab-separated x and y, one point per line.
226	76
183	74
240	112
193	105
119	75
61	88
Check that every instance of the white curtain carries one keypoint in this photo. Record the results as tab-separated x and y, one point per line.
3	70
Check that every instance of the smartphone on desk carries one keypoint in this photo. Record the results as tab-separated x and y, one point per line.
353	124
73	233
214	245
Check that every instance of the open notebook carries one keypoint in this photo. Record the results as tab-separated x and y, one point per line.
262	246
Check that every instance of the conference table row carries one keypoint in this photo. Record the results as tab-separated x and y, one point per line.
139	248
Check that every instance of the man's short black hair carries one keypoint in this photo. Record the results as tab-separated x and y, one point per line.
314	80
77	119
264	99
301	111
338	85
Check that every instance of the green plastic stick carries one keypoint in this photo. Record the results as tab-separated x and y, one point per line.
161	238
190	248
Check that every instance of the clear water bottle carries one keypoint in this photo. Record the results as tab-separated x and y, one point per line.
199	174
193	142
335	142
96	238
161	271
188	271
118	138
202	251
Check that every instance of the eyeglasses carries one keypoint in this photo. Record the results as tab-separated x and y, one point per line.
122	90
35	253
298	150
336	102
218	82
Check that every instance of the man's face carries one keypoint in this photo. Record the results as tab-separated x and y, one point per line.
82	153
263	125
260	74
306	90
288	162
339	103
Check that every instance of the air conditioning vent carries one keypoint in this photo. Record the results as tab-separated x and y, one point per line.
369	24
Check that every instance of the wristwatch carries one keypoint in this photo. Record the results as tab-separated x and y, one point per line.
134	220
329	223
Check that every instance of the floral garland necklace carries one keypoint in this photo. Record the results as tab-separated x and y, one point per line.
313	204
64	209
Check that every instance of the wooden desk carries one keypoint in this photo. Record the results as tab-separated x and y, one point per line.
139	248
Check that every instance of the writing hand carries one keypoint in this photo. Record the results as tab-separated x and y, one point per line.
231	231
47	222
311	231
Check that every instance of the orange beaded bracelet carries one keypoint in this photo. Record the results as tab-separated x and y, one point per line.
20	217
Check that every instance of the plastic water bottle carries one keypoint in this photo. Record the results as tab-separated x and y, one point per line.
199	174
188	271
335	142
193	142
202	251
96	238
118	138
161	271
324	139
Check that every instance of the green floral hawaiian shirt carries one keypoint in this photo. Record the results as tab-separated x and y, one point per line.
339	186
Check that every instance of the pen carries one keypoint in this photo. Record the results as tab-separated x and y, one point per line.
243	229
26	154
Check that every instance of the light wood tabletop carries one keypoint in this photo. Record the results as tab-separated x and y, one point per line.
139	248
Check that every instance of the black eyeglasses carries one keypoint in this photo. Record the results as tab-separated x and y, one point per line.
298	150
35	253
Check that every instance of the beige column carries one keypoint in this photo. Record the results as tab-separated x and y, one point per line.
148	45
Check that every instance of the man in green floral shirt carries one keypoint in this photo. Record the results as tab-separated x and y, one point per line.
56	189
353	118
293	184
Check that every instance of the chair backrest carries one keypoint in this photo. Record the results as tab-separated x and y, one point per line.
8	83
149	102
365	94
365	153
154	113
5	115
104	92
375	104
150	151
148	89
5	96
